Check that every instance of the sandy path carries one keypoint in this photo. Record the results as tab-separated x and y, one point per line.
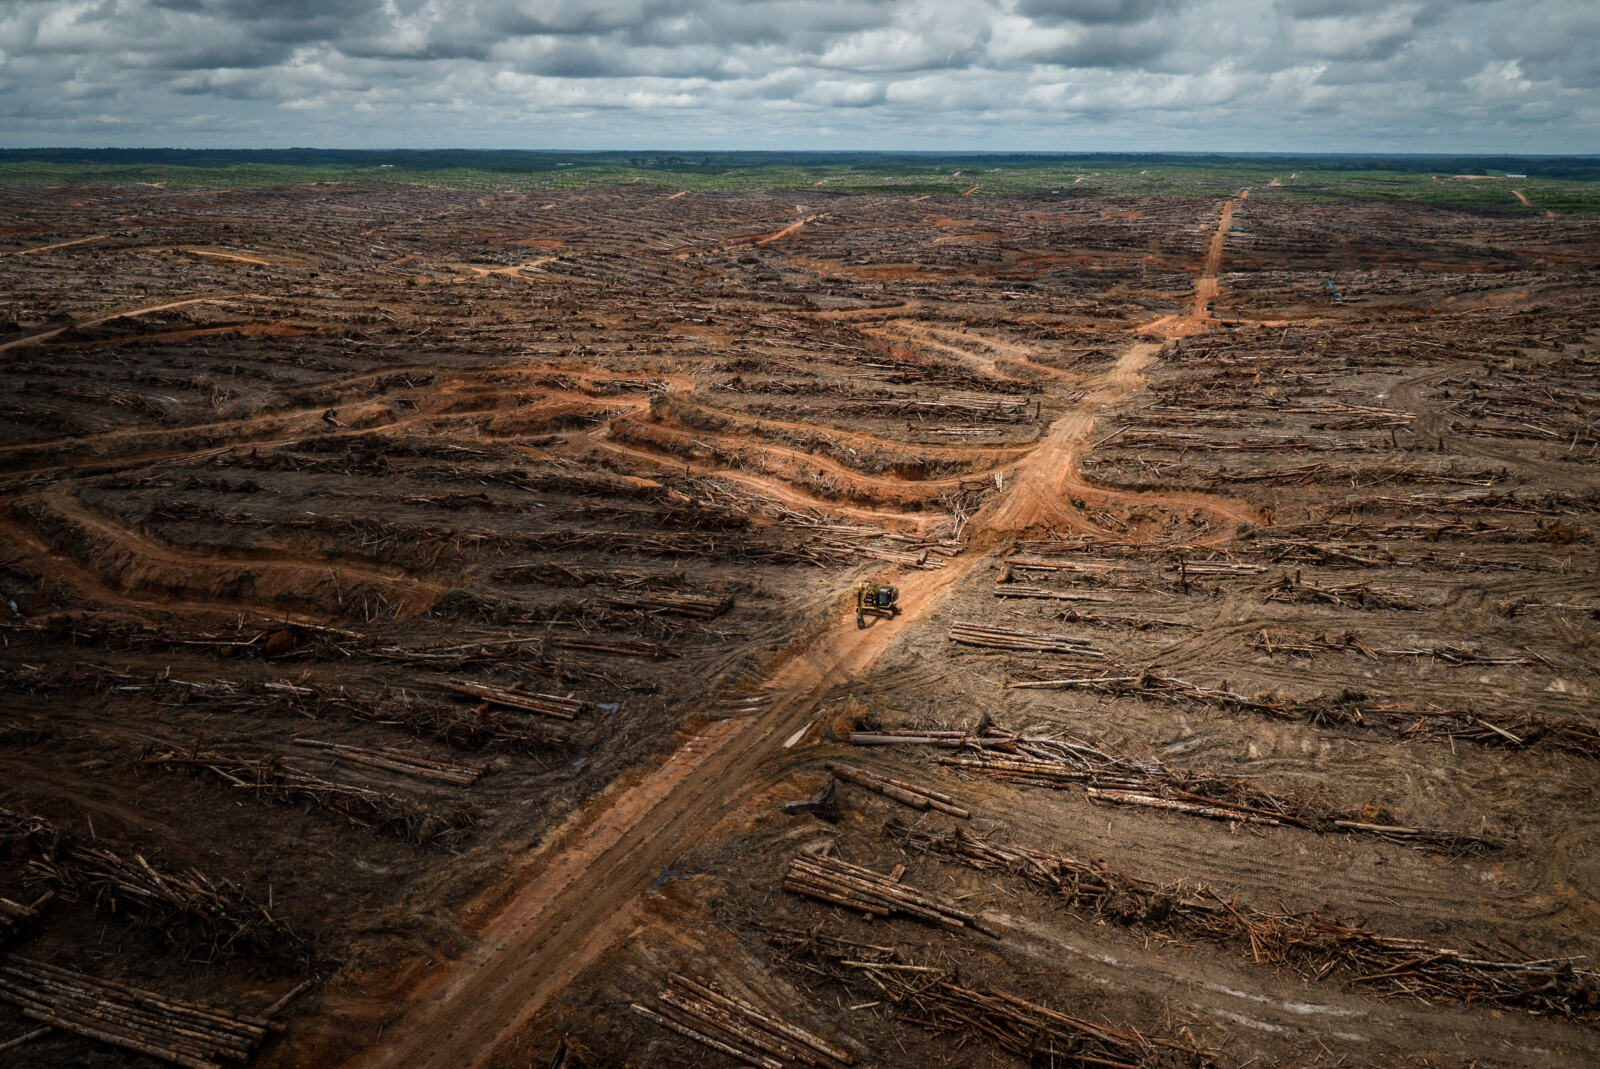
93	321
1526	203
57	245
144	564
217	254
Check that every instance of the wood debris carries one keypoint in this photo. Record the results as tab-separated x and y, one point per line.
1066	762
402	761
739	1029
908	794
230	918
274	778
829	879
16	918
1354	709
182	1033
969	633
932	997
1302	941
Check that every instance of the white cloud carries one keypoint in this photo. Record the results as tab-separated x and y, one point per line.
1446	75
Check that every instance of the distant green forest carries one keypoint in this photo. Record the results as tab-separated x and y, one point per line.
1560	184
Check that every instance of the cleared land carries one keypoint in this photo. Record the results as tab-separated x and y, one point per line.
437	596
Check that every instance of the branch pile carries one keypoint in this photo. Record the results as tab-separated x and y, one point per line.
738	1029
229	916
562	707
698	606
1350	596
1302	941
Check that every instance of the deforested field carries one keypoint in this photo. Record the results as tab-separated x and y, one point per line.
427	604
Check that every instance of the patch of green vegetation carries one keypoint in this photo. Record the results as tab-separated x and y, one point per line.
1557	184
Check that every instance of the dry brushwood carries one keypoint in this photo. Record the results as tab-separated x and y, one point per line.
1448	654
404	762
1302	941
229	917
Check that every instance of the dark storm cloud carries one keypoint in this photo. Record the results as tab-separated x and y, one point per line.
1041	74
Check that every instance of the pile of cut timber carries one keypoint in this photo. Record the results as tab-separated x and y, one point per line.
969	633
183	1033
828	879
403	761
738	1029
911	794
699	606
556	705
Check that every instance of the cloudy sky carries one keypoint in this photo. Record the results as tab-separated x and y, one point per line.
1031	75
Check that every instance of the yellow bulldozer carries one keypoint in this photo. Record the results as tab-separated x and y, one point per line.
876	599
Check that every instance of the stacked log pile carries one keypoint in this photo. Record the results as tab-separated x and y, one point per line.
876	894
182	1033
969	633
562	707
739	1029
698	606
229	916
274	778
1303	941
909	794
388	759
932	997
1066	762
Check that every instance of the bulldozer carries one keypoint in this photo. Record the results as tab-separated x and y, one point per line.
876	599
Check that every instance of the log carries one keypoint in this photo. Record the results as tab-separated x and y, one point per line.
909	794
759	1060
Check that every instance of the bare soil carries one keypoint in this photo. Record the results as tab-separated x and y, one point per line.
283	466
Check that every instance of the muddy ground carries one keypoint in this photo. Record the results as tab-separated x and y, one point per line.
280	468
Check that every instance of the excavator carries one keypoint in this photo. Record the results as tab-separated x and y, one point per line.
876	599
